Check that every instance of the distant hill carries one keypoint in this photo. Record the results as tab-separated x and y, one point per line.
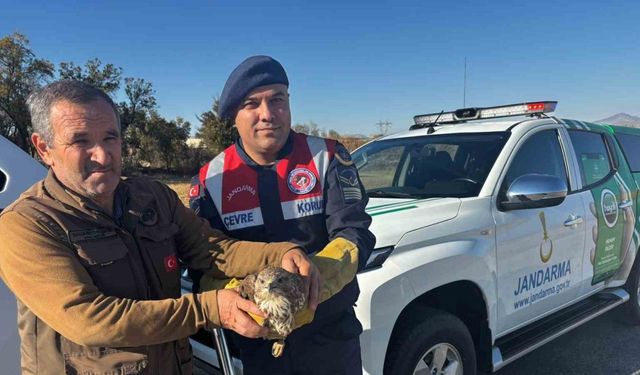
622	119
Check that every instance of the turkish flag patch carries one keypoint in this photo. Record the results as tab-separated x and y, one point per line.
194	191
171	263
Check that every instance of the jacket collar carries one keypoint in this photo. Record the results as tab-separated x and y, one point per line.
74	201
69	197
123	204
284	151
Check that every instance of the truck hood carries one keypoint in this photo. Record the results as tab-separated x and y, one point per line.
392	218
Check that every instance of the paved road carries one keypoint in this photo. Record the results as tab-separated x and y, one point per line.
602	346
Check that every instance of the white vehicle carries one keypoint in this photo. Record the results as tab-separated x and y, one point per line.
493	237
18	171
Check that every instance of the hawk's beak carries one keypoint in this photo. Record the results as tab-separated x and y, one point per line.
273	287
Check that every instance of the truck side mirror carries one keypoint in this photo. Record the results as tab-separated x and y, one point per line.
534	191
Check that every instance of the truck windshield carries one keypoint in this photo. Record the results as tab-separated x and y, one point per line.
448	165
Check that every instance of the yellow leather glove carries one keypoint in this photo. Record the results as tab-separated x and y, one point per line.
337	263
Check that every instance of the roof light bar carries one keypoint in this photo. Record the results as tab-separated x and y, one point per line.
466	114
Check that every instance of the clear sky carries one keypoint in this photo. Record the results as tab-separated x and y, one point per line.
352	64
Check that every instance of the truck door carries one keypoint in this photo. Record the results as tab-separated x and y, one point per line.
610	220
539	251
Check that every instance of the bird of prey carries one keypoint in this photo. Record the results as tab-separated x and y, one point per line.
279	294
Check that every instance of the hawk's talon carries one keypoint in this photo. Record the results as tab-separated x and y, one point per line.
277	349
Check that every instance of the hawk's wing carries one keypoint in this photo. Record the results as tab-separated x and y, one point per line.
247	287
297	296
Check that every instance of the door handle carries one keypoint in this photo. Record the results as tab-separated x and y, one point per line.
625	204
573	221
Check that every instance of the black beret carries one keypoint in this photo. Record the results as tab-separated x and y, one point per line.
253	72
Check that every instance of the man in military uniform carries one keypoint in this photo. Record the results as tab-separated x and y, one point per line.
94	260
274	184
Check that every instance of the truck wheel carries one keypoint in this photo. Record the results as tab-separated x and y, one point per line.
629	313
437	344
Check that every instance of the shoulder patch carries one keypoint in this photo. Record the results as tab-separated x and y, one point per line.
348	177
343	155
349	184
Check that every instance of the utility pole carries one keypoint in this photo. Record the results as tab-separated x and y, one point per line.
383	127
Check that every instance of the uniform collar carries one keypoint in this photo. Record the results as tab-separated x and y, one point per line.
284	151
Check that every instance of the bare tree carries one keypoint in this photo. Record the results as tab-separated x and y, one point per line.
20	73
105	78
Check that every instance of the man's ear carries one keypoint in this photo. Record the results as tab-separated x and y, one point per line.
43	149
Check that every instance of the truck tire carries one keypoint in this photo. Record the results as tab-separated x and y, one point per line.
435	342
629	313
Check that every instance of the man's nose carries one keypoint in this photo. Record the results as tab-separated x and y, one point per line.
266	113
100	154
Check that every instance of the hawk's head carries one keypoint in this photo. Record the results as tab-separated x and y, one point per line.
275	281
279	294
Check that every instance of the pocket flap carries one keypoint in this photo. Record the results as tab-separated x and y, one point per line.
105	361
103	251
158	232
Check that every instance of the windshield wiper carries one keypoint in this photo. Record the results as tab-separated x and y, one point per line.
388	194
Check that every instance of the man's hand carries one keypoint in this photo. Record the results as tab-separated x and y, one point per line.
233	311
296	261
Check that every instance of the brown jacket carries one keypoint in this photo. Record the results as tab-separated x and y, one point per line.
100	297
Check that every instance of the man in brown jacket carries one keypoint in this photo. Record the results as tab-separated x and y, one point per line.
94	260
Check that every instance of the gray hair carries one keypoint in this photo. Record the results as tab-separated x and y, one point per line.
40	102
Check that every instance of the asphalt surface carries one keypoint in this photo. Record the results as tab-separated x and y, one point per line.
601	346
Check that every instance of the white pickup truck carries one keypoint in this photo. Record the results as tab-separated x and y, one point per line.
494	237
